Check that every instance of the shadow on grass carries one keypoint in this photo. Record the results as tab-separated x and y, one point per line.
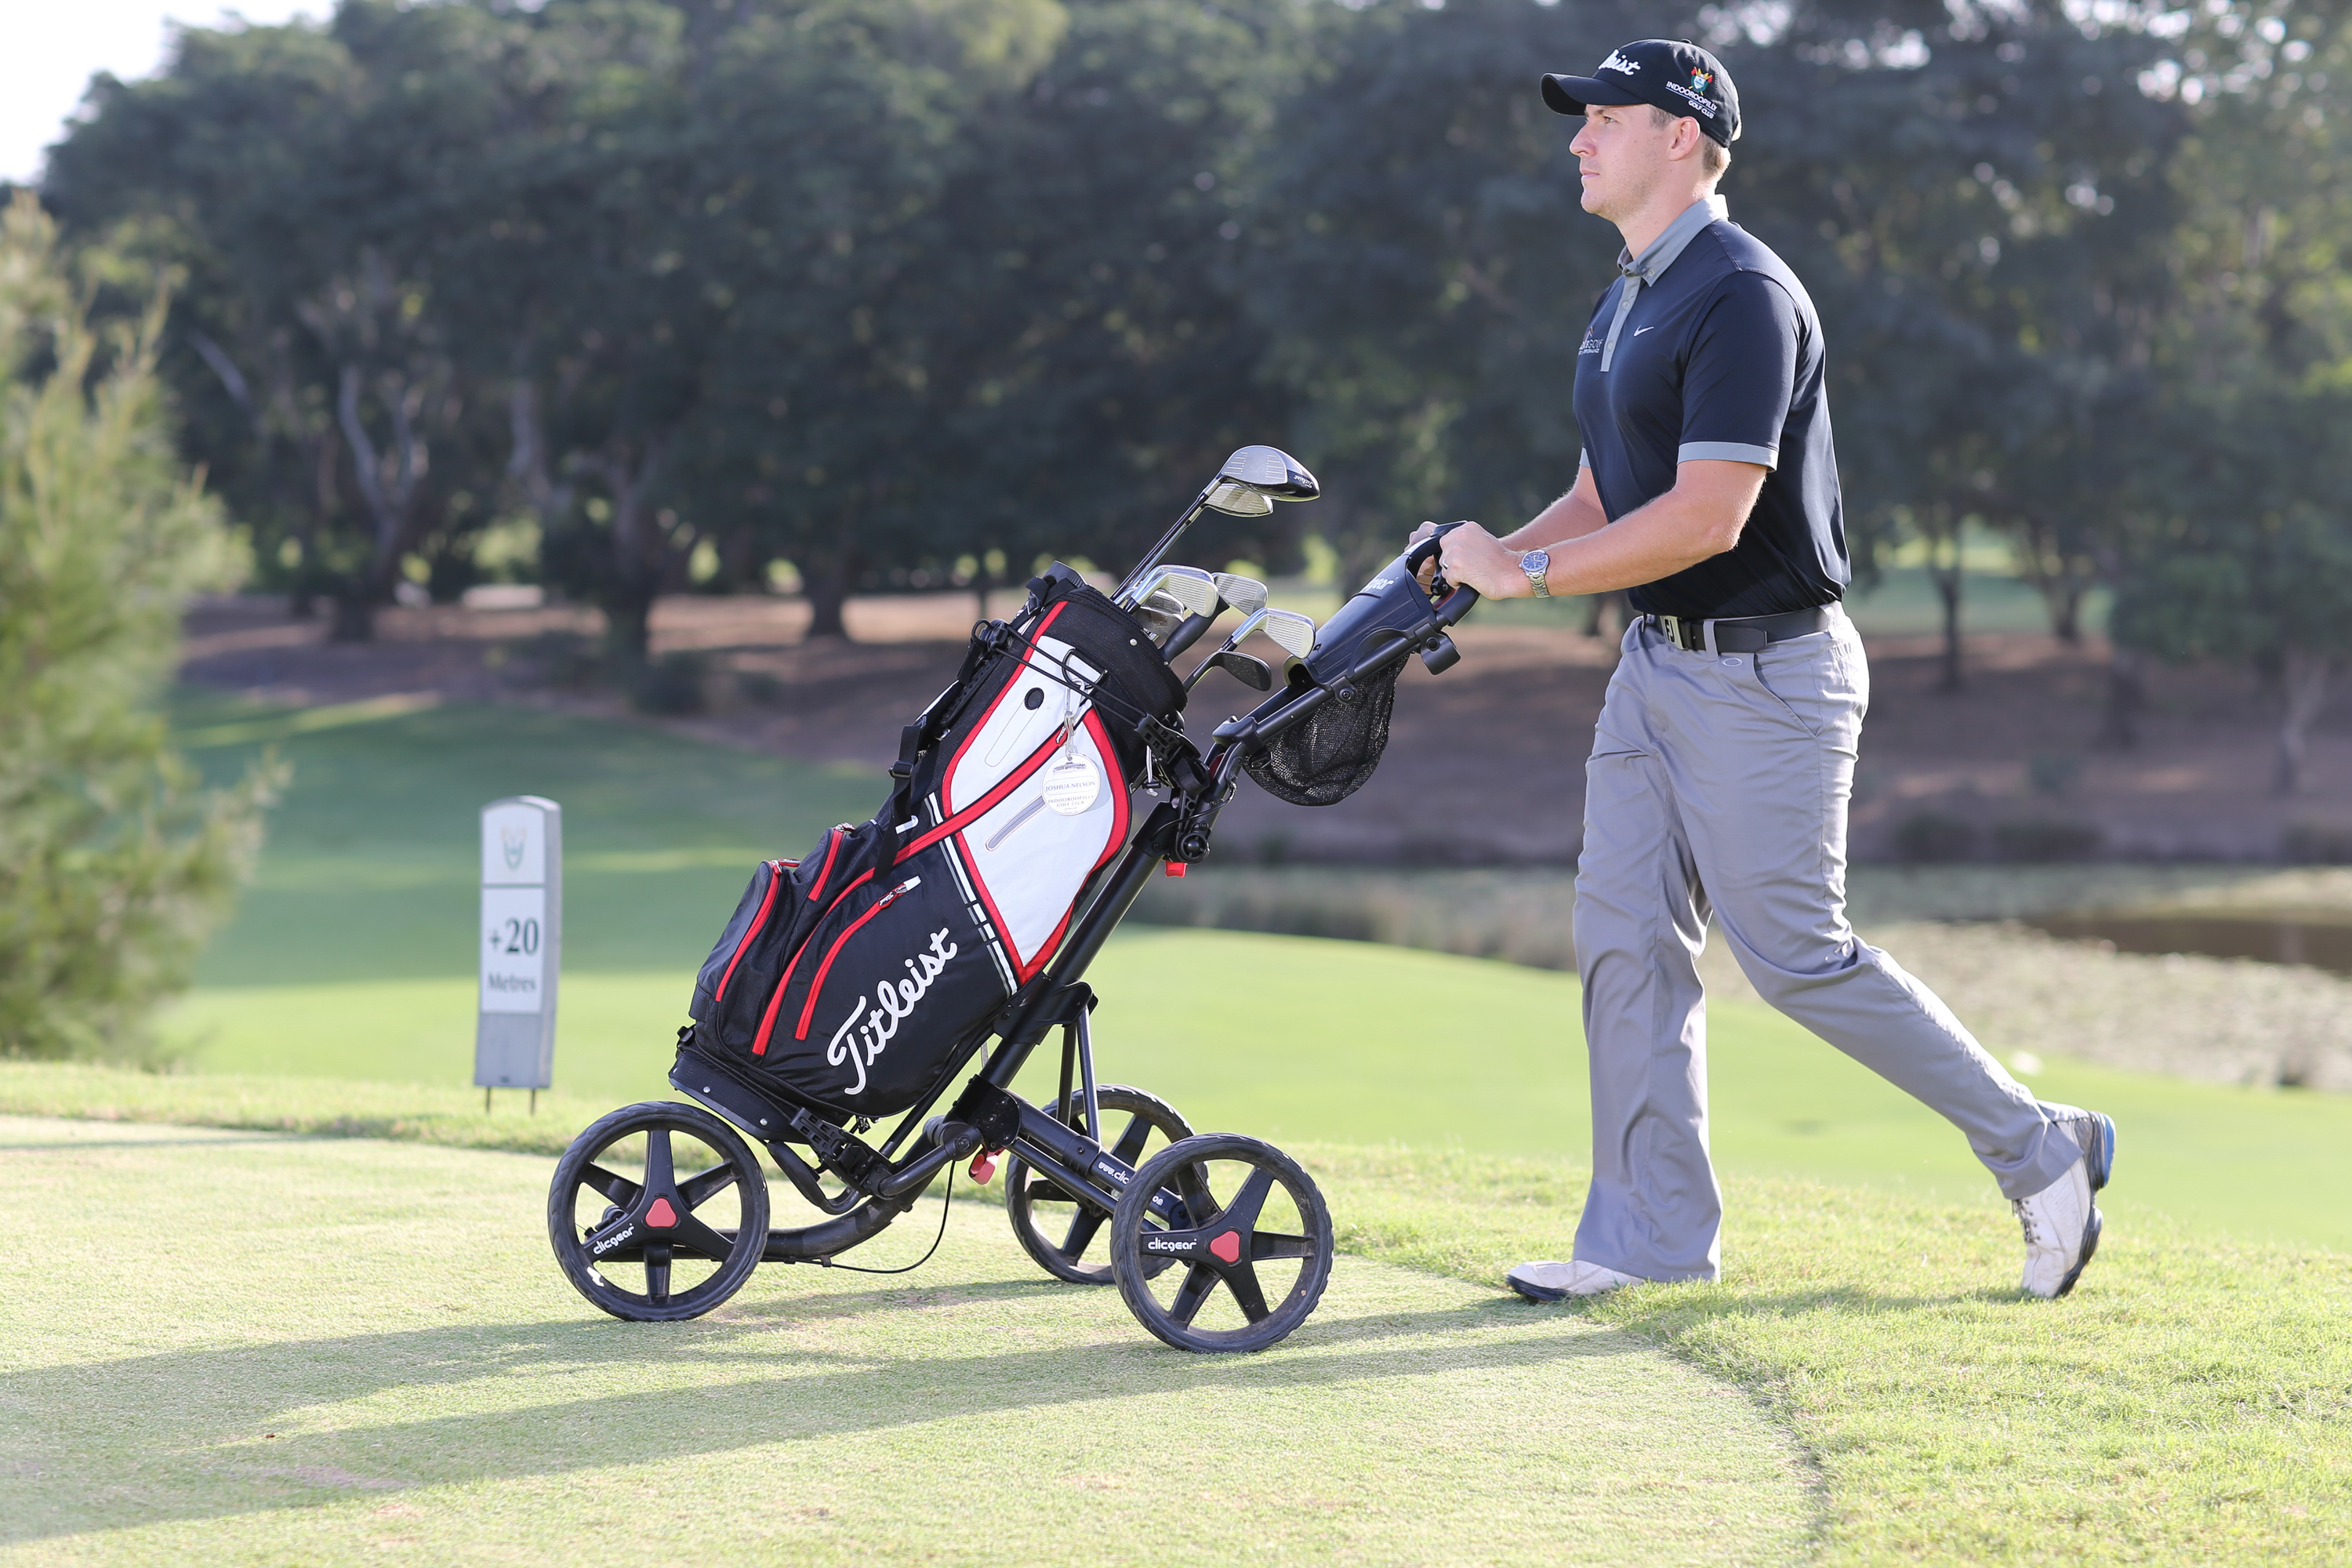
216	1412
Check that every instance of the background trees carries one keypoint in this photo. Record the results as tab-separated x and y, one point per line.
113	865
913	292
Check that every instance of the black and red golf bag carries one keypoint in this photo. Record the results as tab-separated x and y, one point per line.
846	979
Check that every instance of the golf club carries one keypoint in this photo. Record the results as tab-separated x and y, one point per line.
1248	485
1287	630
1192	587
1246	594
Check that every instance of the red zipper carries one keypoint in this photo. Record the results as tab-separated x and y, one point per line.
775	880
816	986
832	845
768	1020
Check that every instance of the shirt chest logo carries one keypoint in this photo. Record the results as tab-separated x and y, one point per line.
1590	346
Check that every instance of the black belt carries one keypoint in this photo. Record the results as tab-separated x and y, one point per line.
1744	635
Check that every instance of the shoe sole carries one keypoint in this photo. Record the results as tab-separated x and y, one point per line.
2101	1159
2090	1246
1536	1292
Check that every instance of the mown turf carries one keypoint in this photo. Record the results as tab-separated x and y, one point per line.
329	1351
1296	1038
372	867
2190	1402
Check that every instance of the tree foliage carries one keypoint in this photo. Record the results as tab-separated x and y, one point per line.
114	865
906	291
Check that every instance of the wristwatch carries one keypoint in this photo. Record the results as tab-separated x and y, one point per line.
1535	563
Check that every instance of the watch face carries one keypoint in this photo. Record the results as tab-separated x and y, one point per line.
1536	560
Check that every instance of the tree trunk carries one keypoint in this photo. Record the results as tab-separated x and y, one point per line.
1607	615
2126	694
2305	678
639	557
825	582
1947	593
354	617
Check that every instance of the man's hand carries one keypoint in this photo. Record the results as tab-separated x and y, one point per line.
1475	558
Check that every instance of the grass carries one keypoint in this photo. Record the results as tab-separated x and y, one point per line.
2024	993
1300	1040
371	870
2190	1401
417	1383
452	1402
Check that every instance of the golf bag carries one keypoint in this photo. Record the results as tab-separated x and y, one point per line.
847	978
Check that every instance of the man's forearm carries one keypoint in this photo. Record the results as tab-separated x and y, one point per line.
1675	532
1572	516
1700	517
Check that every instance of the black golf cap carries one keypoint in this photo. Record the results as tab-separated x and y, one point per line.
1671	74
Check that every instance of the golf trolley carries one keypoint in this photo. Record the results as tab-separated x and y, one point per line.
967	911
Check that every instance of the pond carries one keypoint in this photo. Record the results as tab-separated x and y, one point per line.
2273	938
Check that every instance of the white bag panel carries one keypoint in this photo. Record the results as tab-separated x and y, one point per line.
1031	861
1013	730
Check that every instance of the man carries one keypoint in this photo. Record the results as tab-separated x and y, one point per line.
1724	758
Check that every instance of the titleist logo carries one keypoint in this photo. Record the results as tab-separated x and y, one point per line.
863	1034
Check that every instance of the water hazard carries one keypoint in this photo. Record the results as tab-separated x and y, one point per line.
2271	938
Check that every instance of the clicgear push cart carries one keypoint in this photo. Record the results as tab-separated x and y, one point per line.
1031	802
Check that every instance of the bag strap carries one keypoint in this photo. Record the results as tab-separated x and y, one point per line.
924	733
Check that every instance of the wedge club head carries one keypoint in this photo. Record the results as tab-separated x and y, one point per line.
1251	672
1244	594
1291	632
1189	585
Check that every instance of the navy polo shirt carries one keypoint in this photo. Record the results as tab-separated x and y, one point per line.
1707	346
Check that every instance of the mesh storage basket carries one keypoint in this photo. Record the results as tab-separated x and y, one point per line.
1329	755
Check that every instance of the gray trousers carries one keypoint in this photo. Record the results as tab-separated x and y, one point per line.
1718	783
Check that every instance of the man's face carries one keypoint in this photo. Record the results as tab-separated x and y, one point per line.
1623	154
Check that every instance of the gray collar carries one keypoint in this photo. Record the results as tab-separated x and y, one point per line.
1662	254
1668	246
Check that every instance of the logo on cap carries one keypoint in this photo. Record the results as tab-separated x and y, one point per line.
1697	100
1618	62
1702	79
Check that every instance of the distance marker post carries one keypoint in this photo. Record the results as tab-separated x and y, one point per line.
520	943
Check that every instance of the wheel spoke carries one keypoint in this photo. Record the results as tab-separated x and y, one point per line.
1242	1213
659	1174
657	1273
1131	1140
1083	1227
696	1191
1199	1281
619	1189
691	1235
1042	1191
1242	1280
1193	1186
1265	1244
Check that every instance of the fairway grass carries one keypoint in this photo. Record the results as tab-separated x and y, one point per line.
1297	1039
345	1351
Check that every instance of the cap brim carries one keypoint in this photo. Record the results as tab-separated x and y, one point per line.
1570	94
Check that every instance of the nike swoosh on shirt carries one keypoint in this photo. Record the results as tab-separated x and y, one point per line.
1639	331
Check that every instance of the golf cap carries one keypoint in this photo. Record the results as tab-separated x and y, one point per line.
1671	74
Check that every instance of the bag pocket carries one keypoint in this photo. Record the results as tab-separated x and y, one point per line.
784	902
882	992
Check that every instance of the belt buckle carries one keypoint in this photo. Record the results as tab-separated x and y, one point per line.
1686	635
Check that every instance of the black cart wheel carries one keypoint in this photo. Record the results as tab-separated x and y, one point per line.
1250	1228
662	1196
1059	1230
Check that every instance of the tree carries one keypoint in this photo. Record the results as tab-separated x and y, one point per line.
114	866
2247	550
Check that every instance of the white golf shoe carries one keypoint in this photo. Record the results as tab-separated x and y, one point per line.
1558	1281
2061	1223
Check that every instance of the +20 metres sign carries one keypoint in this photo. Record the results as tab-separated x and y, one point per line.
520	941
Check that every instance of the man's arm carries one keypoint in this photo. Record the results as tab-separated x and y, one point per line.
1701	517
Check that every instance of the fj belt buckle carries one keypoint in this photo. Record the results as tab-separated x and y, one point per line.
1686	635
